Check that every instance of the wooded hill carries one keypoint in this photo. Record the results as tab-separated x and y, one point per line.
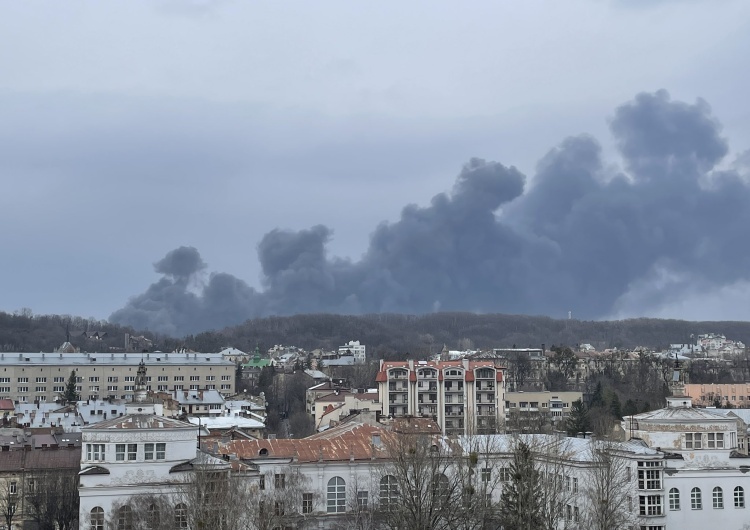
385	334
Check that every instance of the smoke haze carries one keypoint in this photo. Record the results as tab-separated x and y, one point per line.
581	235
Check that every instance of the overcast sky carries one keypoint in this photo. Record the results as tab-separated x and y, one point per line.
131	129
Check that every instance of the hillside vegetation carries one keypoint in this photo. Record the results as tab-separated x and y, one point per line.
386	334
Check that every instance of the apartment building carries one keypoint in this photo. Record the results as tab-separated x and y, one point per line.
39	377
463	397
525	411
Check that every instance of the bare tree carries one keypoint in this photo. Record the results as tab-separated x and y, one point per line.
9	502
360	504
416	488
607	489
279	499
559	483
53	500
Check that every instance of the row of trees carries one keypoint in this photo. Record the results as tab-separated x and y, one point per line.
428	483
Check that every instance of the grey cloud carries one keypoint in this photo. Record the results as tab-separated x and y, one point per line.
580	237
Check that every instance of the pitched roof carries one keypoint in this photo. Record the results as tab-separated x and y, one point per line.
340	443
138	422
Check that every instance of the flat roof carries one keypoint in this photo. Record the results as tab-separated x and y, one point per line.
111	359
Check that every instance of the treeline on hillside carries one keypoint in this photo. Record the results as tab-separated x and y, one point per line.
396	335
387	335
25	332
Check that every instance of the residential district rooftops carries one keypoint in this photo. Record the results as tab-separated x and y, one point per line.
139	422
118	359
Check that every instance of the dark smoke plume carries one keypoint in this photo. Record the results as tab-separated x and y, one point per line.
581	236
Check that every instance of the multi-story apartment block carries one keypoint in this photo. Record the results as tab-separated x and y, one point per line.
463	397
356	349
39	377
525	411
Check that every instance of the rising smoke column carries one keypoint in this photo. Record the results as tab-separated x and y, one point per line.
580	235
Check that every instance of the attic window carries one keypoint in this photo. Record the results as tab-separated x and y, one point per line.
263	452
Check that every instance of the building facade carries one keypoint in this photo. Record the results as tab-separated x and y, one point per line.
37	377
463	397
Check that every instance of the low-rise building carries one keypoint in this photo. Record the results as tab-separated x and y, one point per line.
529	411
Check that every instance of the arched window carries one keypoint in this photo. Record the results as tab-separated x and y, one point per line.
440	487
125	518
696	502
97	518
388	492
718	497
180	516
739	497
154	518
336	495
674	499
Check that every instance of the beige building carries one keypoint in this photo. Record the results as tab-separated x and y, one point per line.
463	397
529	410
30	377
706	395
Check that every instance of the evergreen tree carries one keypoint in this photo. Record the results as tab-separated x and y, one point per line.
71	394
630	408
615	408
597	398
578	420
521	505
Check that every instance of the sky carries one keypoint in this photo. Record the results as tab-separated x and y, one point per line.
181	165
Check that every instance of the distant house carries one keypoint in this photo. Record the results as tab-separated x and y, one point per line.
252	368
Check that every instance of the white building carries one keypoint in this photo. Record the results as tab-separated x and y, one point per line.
702	477
132	455
357	349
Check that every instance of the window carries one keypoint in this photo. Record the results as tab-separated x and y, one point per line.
567	483
693	440
336	495
153	517
718	498
180	516
132	451
486	474
162	378
505	475
94	379
226	387
13	488
112	388
161	451
112	379
58	389
41	389
575	485
696	502
576	514
739	497
179	378
131	379
225	378
649	475
650	504
31	486
125	518
120	452
715	440
307	503
388	492
59	380
362	499
674	499
210	378
195	378
96	518
148	452
41	379
278	508
23	379
279	481
4	389
23	389
95	452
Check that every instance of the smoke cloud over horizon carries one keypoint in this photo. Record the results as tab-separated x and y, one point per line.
580	235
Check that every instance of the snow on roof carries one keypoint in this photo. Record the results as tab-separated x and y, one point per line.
227	422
